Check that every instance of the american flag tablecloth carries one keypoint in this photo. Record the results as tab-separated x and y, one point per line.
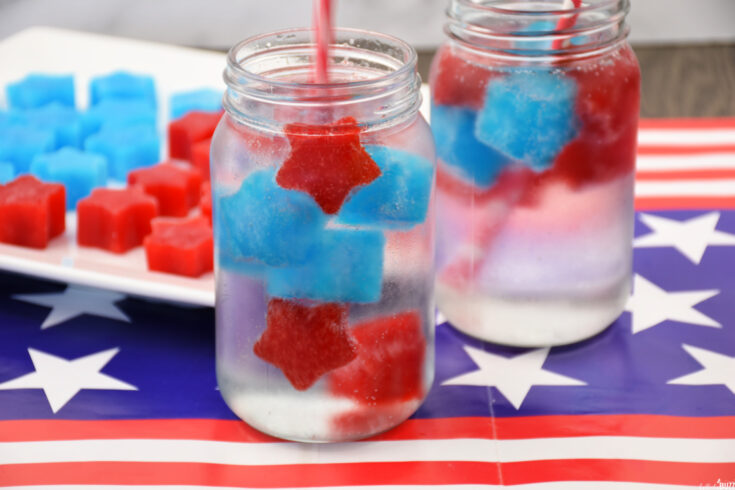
101	389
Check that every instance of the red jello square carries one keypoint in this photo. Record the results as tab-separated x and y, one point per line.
176	188
327	162
115	219
205	201
194	127
305	342
180	246
31	212
457	81
200	157
389	363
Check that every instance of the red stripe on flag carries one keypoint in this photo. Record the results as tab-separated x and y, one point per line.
111	473
674	202
706	174
688	123
420	429
661	472
403	473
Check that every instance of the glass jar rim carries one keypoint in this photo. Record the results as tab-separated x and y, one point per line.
234	64
557	11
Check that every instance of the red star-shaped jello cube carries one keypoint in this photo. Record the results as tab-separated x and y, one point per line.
200	157
31	212
305	342
389	364
327	162
115	219
205	201
194	127
180	246
175	188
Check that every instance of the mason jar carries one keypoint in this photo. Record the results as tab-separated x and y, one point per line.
324	242
534	111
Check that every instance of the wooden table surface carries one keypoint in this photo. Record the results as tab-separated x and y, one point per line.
677	81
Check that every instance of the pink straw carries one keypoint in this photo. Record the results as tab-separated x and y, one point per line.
323	35
566	22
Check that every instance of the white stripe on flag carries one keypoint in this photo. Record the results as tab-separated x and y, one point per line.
686	137
476	450
686	162
685	188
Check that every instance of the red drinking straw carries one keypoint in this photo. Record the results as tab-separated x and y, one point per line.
566	22
323	34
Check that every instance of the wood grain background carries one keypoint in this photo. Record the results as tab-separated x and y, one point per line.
677	81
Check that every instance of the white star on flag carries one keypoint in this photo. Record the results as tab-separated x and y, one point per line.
650	305
513	376
61	379
75	301
718	369
690	237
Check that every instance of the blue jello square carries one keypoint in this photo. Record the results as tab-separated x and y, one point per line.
125	148
347	266
122	85
65	122
79	172
19	144
37	90
399	198
6	172
266	222
118	112
205	99
457	146
529	116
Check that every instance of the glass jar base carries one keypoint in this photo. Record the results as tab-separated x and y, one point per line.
531	322
319	418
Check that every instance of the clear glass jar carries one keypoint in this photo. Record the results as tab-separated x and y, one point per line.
324	242
534	114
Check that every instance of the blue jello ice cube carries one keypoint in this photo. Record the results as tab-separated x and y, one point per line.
457	146
118	112
529	116
399	198
6	172
122	85
65	122
266	222
347	266
79	172
125	148
37	90
205	99
19	144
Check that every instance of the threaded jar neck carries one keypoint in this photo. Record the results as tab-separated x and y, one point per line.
537	29
373	77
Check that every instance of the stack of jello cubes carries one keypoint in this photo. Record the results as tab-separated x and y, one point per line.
56	158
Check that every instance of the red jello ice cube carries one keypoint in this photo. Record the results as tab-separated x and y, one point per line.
205	201
327	162
389	364
192	128
31	212
200	157
457	81
180	246
607	106
115	219
305	342
175	188
371	419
